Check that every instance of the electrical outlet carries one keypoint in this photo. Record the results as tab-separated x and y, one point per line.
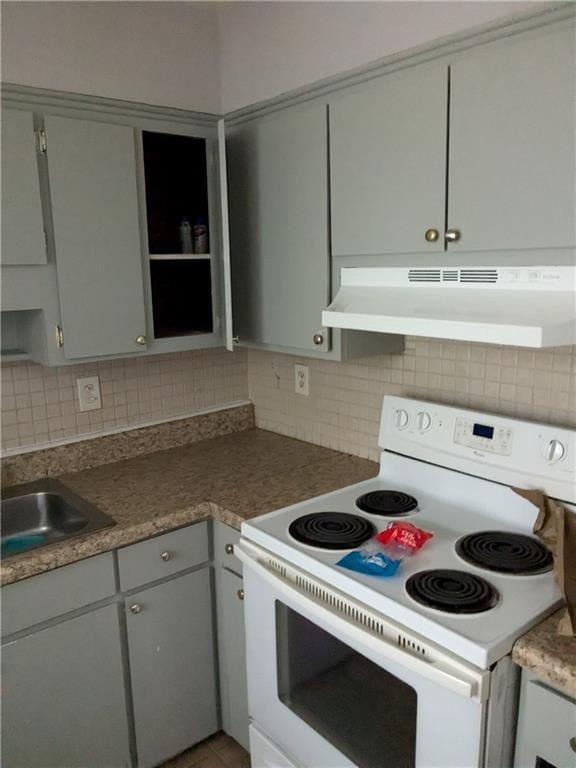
301	381
89	393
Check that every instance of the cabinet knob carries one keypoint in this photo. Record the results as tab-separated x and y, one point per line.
240	594
165	556
572	743
452	235
318	338
431	235
229	549
136	608
141	340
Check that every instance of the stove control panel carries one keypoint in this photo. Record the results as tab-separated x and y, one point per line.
483	436
497	447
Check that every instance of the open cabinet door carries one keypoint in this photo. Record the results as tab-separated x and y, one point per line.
226	273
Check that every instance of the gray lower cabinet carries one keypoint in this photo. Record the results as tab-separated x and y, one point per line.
108	664
546	733
22	223
172	666
92	175
63	700
231	637
234	687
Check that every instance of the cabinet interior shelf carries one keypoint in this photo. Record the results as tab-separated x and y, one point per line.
179	256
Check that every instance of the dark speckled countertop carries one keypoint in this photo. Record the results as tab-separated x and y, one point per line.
548	655
233	478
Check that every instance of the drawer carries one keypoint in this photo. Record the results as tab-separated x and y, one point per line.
163	555
551	719
225	540
51	594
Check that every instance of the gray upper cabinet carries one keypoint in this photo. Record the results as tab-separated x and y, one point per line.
92	172
63	696
512	144
22	225
172	666
388	163
279	228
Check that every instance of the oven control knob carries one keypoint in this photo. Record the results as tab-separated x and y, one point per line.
401	418
554	451
424	421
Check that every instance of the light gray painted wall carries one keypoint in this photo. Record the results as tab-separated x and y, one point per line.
215	57
268	48
163	53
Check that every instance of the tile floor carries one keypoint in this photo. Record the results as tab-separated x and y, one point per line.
219	751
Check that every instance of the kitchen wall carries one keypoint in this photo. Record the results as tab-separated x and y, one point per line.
343	409
267	48
163	53
40	405
217	56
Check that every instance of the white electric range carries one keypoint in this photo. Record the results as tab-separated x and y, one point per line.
347	670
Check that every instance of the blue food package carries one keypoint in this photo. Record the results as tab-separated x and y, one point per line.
372	562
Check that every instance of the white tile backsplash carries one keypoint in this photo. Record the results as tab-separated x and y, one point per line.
40	406
343	409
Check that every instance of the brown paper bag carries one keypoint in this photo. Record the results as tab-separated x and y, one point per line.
555	526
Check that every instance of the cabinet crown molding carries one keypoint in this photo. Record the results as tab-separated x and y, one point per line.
49	101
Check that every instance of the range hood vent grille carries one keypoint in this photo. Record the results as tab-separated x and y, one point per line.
452	275
478	275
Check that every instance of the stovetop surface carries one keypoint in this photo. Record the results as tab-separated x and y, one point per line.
450	505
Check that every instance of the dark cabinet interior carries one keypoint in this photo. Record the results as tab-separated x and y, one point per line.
181	297
176	187
177	212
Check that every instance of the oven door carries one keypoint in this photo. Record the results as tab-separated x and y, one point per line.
335	687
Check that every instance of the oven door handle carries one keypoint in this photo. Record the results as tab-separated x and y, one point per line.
442	670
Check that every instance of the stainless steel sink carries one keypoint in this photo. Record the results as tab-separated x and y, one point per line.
43	512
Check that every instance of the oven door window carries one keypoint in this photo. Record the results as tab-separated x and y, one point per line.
365	712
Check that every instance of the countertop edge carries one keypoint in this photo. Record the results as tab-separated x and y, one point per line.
116	537
541	652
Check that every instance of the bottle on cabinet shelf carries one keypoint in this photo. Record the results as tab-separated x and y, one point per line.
200	235
186	245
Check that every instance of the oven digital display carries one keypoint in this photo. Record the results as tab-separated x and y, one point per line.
481	430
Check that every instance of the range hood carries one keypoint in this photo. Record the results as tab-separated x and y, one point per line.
519	306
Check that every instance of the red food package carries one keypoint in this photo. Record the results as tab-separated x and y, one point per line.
403	537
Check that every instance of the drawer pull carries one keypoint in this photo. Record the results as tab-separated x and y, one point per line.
240	594
136	608
165	556
229	549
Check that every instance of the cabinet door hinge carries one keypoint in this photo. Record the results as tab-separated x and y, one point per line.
59	337
41	142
